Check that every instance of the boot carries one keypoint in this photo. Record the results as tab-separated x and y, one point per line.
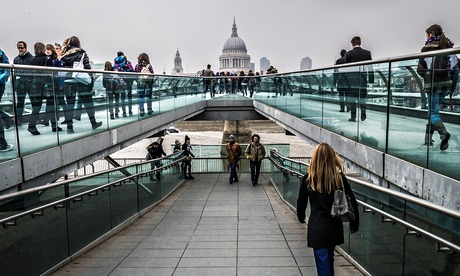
141	111
444	135
95	124
429	135
55	128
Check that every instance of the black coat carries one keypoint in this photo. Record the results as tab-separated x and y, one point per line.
23	60
339	78
358	79
40	77
324	231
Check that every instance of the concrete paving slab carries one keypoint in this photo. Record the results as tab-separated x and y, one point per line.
208	227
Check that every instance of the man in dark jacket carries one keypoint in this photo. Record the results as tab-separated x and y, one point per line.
341	82
23	81
154	151
358	79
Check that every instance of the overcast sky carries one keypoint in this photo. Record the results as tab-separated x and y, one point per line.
283	31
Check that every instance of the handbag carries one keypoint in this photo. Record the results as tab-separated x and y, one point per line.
81	77
341	207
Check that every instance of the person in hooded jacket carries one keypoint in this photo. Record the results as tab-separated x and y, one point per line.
122	64
72	52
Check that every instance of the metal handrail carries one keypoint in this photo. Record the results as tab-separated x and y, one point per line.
418	230
449	51
53	185
406	197
414	230
78	197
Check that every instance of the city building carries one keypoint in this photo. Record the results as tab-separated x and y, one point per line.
234	56
264	64
305	63
177	70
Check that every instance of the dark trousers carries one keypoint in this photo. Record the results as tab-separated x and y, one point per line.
324	259
233	174
86	98
2	132
355	97
187	166
255	171
342	99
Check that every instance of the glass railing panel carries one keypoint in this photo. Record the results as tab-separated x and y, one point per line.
36	110
124	201
82	218
442	93
8	132
434	221
30	201
421	258
36	244
377	246
372	128
311	99
383	201
406	103
333	97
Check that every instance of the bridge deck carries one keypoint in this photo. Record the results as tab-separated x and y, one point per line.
209	227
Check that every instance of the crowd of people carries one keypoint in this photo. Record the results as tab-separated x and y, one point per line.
70	94
69	91
230	83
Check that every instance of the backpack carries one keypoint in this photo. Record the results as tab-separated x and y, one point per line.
145	79
119	83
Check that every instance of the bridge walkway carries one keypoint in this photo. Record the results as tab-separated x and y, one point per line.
209	227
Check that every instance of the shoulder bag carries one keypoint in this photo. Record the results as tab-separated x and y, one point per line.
341	207
81	77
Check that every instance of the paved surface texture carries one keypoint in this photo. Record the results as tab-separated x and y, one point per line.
209	227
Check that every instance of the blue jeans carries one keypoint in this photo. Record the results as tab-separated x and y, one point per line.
233	174
435	99
324	259
255	171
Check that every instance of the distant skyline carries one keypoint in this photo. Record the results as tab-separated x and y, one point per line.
284	32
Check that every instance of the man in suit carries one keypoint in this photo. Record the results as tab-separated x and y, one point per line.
359	78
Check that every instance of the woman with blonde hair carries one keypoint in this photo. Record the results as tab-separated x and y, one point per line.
325	175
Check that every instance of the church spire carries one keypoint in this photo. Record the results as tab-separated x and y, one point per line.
234	32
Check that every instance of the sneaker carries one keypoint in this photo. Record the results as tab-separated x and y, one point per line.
6	147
